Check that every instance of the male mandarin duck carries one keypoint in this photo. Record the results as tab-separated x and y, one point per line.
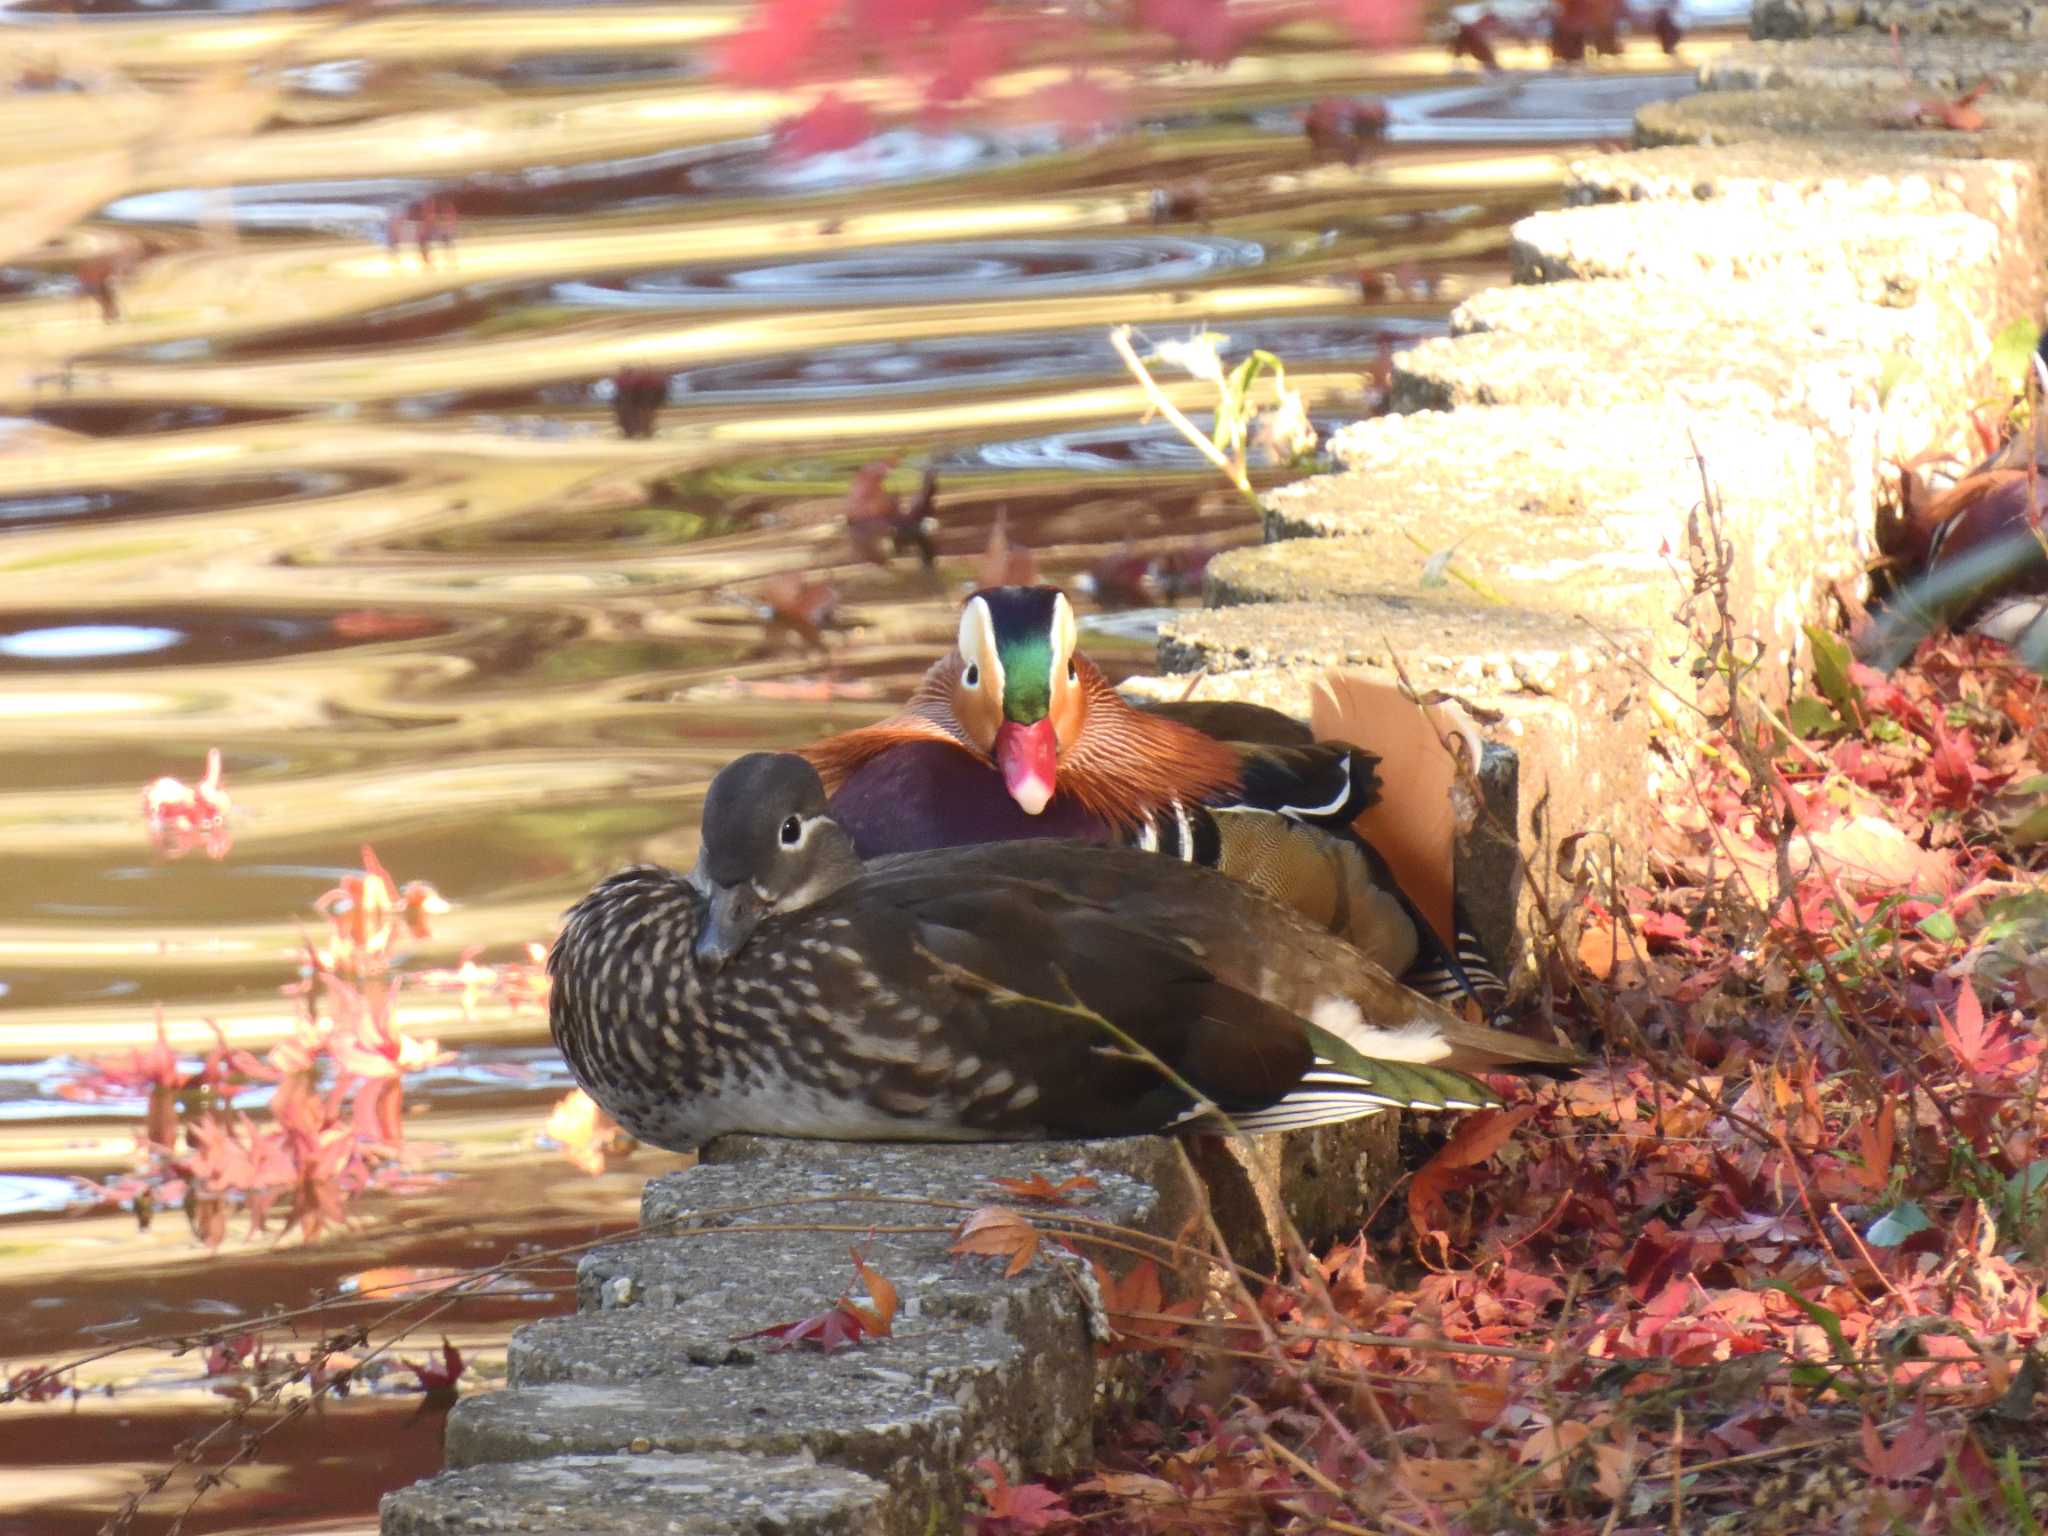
1015	734
1001	992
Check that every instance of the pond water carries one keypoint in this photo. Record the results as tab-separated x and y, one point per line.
361	520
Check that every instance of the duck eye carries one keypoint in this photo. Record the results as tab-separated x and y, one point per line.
792	832
1073	673
972	676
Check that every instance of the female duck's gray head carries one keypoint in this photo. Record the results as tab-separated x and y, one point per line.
769	845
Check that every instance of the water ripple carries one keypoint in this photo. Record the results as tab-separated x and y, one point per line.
930	273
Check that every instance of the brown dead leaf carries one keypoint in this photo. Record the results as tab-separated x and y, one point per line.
1598	944
1875	1145
1436	1480
1131	1485
1551	1447
1613	1470
1481	1136
1001	1233
1038	1187
1135	1302
1870	852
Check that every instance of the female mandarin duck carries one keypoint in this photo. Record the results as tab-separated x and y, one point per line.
1003	992
1016	735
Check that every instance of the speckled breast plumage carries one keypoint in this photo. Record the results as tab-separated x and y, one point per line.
797	1037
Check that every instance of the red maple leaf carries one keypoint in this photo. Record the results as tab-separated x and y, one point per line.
1207	31
1038	1187
843	1324
1080	106
774	50
1914	1451
832	123
437	1375
839	1326
971	54
1979	1045
1953	764
1136	1305
1379	23
1015	1510
1476	1140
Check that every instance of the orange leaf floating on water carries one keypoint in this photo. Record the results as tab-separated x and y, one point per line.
798	609
169	800
366	909
1005	563
404	1280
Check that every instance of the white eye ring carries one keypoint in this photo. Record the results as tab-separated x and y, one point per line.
972	676
792	832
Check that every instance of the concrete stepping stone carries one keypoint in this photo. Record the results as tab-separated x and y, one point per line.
1883	258
2015	128
1947	63
652	1495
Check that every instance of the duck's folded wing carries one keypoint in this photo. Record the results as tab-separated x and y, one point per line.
1328	784
1131	1032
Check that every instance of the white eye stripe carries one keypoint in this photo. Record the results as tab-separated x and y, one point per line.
1065	633
977	646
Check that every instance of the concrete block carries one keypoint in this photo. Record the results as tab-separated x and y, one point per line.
651	1495
1863	176
1543	534
1817	23
1880	258
1835	116
1927	65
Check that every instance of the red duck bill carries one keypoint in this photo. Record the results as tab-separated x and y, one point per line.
1029	758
